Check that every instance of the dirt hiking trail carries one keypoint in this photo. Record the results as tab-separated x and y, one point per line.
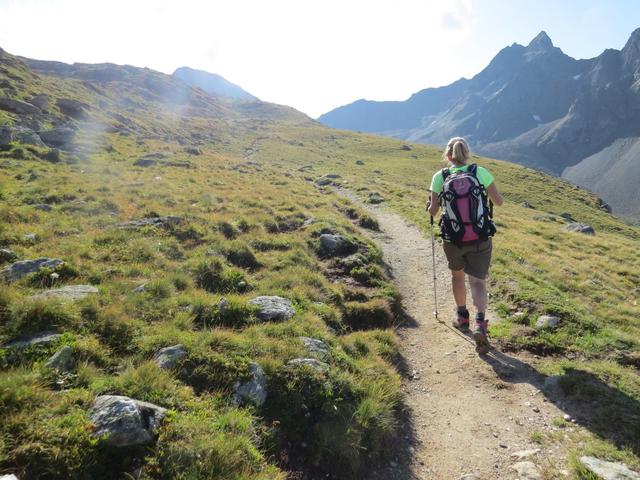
468	416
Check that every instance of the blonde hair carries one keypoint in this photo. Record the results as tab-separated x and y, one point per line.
457	150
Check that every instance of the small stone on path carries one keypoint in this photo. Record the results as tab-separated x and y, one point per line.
527	471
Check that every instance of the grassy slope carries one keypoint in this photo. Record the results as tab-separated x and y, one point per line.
242	236
591	282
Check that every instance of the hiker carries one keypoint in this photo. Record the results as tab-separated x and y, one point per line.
466	230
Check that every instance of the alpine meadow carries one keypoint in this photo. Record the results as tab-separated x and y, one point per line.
207	269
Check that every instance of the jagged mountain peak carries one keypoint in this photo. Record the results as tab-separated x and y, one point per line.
541	42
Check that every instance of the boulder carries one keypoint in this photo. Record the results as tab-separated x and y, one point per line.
7	255
58	137
547	321
17	106
73	108
316	348
123	422
334	244
10	476
359	162
312	363
527	471
253	390
30	238
69	292
406	147
43	102
41	338
323	181
168	357
19	134
580	228
273	308
152	221
609	470
62	360
18	270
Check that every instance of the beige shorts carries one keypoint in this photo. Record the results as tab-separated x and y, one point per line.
474	259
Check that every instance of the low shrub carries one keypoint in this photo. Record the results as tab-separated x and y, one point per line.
50	277
375	313
213	276
234	314
365	221
32	316
210	440
240	255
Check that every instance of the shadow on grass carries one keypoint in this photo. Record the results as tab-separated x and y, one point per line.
594	404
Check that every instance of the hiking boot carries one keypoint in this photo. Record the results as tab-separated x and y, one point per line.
480	336
461	322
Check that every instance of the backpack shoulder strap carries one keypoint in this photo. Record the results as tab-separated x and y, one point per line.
473	169
445	173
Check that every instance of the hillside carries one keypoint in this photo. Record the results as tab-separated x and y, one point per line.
176	212
532	105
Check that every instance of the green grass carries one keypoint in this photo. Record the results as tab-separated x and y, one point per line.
250	230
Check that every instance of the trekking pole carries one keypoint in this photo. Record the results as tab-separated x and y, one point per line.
433	258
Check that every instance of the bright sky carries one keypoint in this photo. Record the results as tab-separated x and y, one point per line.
313	55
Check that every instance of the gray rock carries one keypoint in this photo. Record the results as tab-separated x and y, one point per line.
73	108
254	390
527	471
375	198
223	305
313	363
316	348
359	162
43	102
30	237
62	360
69	292
406	147
167	357
332	244
547	321
122	421
58	137
7	255
609	470
331	176
308	221
17	106
41	338
323	181
18	270
469	476
140	288
151	221
8	477
580	228
19	134
522	454
273	307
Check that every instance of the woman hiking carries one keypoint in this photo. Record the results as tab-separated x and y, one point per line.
466	229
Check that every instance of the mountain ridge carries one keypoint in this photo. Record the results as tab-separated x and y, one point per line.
532	104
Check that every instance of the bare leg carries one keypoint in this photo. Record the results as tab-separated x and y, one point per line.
459	287
479	293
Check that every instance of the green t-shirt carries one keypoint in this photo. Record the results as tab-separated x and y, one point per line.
484	177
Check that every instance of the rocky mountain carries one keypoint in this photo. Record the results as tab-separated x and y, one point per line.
62	106
533	105
212	83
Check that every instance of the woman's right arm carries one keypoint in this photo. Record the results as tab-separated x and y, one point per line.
494	194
